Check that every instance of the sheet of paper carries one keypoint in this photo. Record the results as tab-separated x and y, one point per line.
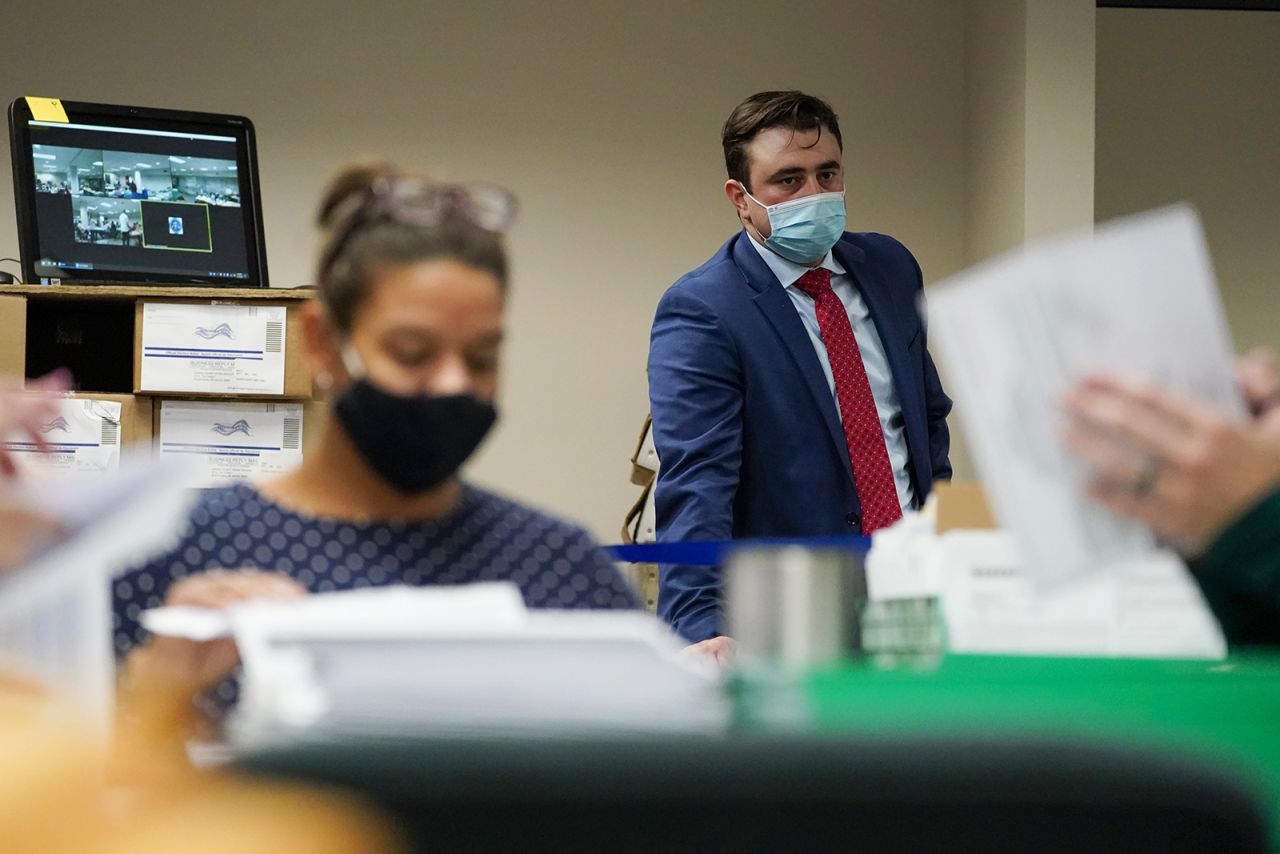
900	564
232	349
84	436
191	623
55	610
1144	607
1013	334
380	612
231	441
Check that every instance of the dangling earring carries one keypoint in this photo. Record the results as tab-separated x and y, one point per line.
324	381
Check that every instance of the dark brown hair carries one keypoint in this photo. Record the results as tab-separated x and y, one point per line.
764	110
387	242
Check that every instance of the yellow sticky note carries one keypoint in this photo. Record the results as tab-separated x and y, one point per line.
47	109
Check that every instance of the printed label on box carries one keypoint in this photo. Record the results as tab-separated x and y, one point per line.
83	436
229	349
231	441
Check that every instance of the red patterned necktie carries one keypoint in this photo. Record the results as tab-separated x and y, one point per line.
872	474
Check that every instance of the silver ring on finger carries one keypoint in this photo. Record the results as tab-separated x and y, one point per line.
1144	480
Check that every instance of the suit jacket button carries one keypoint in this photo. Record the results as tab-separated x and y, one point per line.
853	519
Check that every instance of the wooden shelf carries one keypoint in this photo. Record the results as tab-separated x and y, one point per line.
158	291
95	330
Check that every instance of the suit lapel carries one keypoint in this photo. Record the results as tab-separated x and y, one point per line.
875	293
772	299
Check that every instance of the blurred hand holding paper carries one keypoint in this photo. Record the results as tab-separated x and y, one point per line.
1137	296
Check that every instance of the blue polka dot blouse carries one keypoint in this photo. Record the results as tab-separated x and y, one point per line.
485	538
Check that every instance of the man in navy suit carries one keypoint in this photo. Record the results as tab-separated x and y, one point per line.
791	389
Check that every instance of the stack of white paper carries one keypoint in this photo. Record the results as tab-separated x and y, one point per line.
1147	606
460	660
1143	607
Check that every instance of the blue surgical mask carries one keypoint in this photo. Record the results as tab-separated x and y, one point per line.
804	230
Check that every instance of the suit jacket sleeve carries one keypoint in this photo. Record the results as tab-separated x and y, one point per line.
695	396
937	404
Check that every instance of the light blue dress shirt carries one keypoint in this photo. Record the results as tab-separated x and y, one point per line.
874	360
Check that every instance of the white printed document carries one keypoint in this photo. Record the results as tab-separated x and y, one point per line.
1012	335
231	441
84	436
226	349
1146	607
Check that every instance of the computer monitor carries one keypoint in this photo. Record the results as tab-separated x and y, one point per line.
137	195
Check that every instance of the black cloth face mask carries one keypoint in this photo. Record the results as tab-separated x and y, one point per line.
413	442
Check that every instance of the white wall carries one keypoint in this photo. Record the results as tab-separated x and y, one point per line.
1029	146
604	118
995	127
1189	109
1029	89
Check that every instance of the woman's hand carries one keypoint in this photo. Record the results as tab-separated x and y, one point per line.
1175	463
26	411
1258	380
199	665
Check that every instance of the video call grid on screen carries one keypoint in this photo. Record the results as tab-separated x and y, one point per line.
135	200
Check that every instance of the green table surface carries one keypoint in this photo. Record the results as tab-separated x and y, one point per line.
1227	712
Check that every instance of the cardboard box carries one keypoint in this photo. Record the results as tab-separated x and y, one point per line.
90	433
91	338
297	379
962	505
235	439
13	336
136	415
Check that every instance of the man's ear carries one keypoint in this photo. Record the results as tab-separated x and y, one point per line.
738	198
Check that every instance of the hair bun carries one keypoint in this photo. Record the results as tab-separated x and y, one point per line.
354	178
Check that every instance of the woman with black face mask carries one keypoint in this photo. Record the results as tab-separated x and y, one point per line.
405	339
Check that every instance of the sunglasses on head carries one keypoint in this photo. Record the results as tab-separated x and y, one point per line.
424	204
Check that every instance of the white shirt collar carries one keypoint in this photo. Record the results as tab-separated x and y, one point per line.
787	271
